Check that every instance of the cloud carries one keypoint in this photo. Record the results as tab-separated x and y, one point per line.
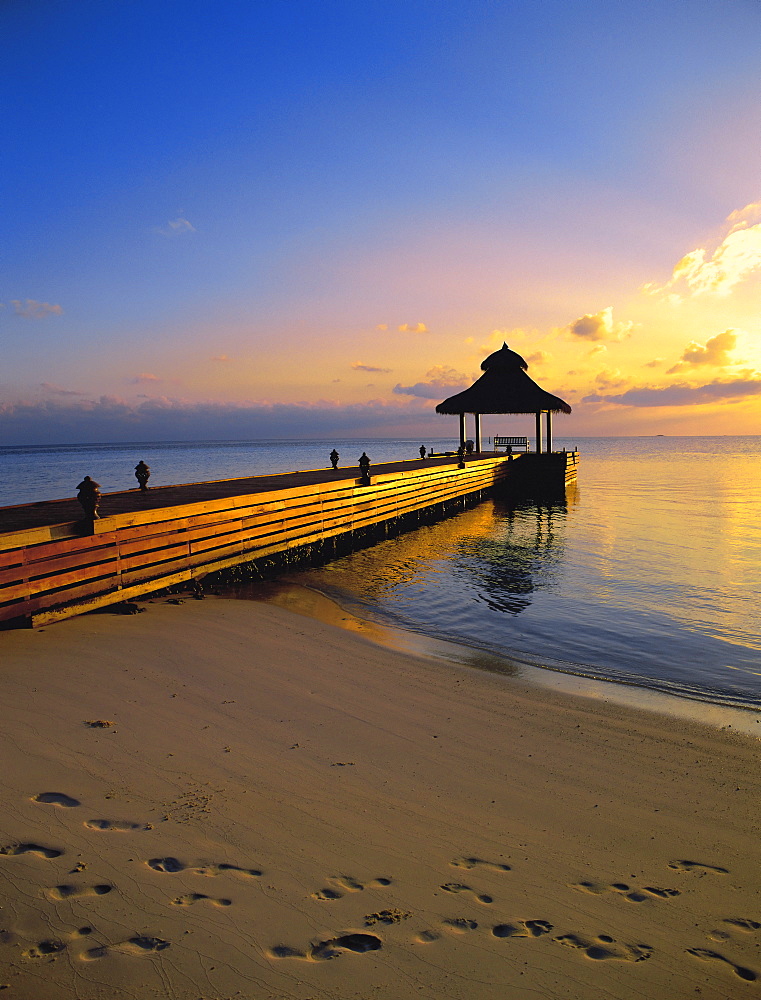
382	327
655	363
683	394
145	377
743	216
220	357
32	309
442	382
175	227
538	358
57	390
160	418
359	367
599	326
610	378
736	258
715	352
409	328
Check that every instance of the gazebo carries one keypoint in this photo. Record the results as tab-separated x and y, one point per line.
505	388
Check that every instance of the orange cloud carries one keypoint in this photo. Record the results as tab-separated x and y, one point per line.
441	381
417	328
611	378
359	367
538	358
599	326
715	352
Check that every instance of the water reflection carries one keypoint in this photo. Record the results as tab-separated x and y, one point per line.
520	553
497	555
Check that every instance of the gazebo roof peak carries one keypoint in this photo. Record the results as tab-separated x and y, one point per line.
504	387
504	360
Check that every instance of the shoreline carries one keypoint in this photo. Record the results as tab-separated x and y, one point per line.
307	600
223	798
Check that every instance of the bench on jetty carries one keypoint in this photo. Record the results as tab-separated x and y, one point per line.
510	442
54	565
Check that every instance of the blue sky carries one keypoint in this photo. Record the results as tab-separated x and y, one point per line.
288	213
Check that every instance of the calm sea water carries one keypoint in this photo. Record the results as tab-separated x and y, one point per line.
647	572
51	472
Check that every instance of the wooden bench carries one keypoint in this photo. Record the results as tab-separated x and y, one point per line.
510	442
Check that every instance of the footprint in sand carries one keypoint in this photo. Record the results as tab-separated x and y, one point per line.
459	925
427	937
632	895
59	892
56	799
197	897
349	884
459	887
11	850
691	866
605	948
322	951
169	865
172	865
394	916
652	890
713	956
522	929
116	825
45	949
136	946
743	924
469	863
213	870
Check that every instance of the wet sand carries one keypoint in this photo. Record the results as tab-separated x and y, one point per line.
224	799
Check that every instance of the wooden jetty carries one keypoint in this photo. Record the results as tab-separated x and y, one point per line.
54	565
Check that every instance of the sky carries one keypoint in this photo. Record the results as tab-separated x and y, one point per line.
256	219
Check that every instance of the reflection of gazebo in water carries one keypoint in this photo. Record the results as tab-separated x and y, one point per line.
505	388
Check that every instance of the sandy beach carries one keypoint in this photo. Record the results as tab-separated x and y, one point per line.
220	799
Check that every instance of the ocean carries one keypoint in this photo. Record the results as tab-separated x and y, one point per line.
646	573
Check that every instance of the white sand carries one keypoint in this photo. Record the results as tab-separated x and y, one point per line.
282	809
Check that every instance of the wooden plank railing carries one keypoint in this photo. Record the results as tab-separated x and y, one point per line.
53	572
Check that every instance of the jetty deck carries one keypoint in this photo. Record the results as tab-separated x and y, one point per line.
54	563
54	512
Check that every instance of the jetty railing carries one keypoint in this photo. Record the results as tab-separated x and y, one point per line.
53	572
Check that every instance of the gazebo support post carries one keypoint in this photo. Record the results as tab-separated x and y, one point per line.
504	387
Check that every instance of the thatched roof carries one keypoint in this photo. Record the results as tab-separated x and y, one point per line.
504	388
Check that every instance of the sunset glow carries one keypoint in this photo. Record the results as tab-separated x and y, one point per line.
305	219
